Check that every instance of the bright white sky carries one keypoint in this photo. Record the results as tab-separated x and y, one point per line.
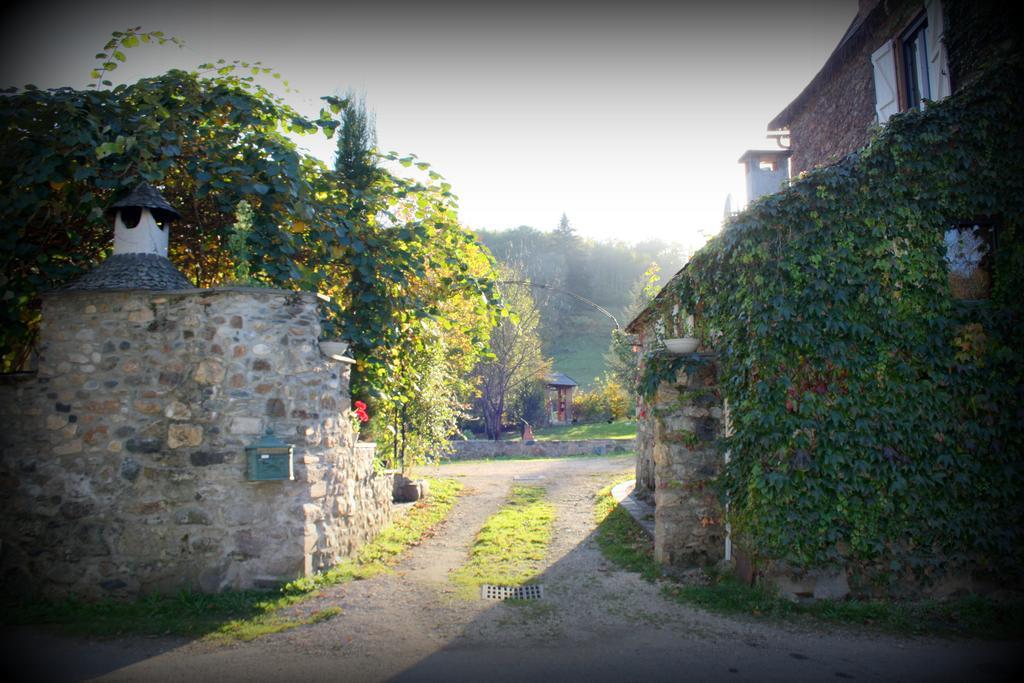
628	117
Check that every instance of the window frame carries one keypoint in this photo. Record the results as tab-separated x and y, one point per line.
912	37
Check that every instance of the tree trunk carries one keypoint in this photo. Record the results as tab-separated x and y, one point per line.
492	420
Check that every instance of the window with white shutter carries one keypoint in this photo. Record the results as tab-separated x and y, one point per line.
887	101
912	67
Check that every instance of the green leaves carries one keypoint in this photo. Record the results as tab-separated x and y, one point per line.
113	51
858	432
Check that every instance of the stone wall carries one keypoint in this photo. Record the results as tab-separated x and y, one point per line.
836	112
123	467
645	482
473	449
686	419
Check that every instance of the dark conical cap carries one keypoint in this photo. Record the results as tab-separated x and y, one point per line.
145	196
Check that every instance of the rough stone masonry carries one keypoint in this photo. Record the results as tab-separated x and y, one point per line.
689	529
123	465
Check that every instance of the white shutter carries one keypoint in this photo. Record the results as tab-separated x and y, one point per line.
887	101
938	67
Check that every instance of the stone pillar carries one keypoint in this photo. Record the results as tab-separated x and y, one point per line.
645	481
689	525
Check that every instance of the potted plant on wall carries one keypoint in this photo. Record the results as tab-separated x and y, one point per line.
331	343
683	339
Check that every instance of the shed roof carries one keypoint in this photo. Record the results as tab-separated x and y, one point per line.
560	379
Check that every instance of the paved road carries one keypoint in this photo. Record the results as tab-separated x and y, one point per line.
596	623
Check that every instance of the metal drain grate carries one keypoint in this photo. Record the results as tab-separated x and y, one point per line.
489	592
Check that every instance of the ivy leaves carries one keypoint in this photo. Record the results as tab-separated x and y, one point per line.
876	420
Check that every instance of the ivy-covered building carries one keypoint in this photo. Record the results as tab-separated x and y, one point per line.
855	400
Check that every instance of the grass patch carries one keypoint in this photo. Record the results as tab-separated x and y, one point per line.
251	629
511	545
624	543
970	616
621	539
505	458
624	429
238	615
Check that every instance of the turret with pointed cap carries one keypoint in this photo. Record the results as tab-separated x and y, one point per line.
140	246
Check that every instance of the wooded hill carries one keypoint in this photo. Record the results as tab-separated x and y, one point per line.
575	334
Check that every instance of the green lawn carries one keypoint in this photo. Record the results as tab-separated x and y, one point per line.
579	351
578	432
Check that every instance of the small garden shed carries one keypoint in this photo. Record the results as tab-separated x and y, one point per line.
560	387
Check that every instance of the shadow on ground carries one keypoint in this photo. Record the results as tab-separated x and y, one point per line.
33	654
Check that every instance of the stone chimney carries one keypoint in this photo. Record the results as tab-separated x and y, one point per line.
766	171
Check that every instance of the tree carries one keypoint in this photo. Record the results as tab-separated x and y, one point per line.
416	382
357	142
518	359
622	361
564	230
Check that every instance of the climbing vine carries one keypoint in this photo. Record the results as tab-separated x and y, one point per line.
876	419
217	142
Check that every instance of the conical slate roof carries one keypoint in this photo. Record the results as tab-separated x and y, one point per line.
133	271
145	195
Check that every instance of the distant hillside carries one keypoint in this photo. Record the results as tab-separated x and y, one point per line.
575	334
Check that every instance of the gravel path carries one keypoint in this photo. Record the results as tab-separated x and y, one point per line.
596	623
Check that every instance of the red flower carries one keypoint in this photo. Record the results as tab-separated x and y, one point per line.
361	412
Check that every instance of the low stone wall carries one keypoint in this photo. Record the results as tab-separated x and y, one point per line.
123	467
686	418
473	449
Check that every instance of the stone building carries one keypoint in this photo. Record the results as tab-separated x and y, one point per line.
895	55
124	466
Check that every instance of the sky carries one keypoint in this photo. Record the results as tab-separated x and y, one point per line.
629	117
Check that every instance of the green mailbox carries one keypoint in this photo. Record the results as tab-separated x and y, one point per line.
270	459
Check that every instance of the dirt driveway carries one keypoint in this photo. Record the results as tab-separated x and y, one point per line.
596	623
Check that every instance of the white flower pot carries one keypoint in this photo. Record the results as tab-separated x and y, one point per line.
681	345
333	348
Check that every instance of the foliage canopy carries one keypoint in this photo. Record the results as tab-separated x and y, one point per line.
388	249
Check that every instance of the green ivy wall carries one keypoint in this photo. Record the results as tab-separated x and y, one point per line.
876	418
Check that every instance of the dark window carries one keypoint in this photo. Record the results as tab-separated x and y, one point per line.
914	55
